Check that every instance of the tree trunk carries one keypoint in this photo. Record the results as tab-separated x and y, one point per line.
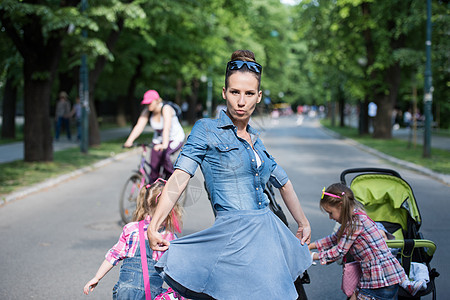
368	78
385	103
9	108
37	128
341	102
179	95
94	130
121	117
364	116
41	53
40	66
129	98
193	100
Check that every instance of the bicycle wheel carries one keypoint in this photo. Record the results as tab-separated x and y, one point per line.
128	197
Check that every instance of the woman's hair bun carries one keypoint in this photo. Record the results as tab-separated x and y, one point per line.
245	55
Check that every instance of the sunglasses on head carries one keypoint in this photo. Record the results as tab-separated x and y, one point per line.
238	64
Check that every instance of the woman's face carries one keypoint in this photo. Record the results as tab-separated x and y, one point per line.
154	105
242	95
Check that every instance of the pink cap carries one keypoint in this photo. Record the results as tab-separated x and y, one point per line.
150	96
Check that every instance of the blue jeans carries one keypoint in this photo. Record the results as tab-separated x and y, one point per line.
131	280
78	122
385	293
62	122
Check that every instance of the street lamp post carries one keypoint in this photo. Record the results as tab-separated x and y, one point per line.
428	88
84	93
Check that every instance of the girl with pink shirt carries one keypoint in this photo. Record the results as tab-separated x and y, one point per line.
127	250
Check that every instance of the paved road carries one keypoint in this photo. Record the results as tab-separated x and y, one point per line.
57	237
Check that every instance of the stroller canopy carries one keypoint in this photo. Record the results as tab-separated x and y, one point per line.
386	198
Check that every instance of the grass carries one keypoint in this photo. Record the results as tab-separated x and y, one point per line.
439	161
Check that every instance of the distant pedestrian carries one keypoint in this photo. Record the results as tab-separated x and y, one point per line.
407	118
76	112
62	115
184	109
359	236
372	112
131	282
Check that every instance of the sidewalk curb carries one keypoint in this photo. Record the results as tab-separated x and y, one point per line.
62	178
444	178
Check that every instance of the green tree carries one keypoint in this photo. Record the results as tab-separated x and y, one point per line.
37	30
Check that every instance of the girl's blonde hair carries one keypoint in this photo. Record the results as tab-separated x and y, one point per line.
146	205
339	194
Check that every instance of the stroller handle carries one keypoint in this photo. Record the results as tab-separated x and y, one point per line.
368	170
429	246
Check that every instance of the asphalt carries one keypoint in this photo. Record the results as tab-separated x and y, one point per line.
15	151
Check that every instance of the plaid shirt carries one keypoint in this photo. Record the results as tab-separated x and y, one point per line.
379	267
129	242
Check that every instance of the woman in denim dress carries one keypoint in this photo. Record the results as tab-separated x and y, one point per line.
248	253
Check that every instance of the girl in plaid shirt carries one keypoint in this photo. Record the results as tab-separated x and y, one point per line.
360	237
131	282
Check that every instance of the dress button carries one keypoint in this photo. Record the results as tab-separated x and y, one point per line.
259	203
256	188
248	148
253	160
226	147
256	174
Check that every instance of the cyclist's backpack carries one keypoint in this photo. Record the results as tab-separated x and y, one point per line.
176	107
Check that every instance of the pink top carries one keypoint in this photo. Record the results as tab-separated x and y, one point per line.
129	242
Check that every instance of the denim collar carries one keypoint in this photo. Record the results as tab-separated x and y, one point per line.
225	121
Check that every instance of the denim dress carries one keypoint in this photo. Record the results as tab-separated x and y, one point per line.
131	281
248	253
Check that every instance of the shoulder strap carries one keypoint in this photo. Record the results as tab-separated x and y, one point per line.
174	106
148	294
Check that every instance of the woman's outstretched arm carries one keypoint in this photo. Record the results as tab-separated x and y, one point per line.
171	193
293	204
138	128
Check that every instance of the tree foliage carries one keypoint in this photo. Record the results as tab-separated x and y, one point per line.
316	52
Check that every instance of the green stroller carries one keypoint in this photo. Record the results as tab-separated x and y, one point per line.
389	199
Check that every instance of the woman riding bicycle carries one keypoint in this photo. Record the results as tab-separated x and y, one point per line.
168	134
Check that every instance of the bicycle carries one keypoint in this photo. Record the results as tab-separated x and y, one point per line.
139	178
130	191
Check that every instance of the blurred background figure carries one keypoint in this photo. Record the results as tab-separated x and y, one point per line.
62	115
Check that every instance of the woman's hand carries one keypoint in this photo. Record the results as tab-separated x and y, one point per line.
159	147
304	234
293	204
157	242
